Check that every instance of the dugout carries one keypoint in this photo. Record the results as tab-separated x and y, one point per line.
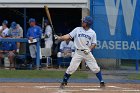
65	14
64	19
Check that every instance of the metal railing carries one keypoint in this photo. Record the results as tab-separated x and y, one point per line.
25	40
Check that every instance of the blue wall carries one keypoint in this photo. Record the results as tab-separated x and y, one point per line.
117	25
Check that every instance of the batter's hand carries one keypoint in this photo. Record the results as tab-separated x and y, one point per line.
86	51
57	37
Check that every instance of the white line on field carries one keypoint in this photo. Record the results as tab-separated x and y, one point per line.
83	86
113	87
66	86
67	91
131	90
92	89
71	90
50	86
86	88
112	90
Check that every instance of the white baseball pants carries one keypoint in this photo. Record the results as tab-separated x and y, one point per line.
78	57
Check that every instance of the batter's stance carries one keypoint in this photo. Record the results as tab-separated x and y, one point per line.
84	41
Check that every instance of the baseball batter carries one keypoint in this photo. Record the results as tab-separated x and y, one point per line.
85	42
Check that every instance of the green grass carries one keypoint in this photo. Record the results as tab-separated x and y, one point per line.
134	76
39	74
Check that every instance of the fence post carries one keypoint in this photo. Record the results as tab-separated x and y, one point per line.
137	65
24	22
38	54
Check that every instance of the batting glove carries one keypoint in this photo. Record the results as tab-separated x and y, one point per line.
86	51
57	37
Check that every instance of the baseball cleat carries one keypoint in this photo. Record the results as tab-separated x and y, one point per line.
63	84
102	85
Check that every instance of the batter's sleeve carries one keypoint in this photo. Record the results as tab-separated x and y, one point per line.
73	33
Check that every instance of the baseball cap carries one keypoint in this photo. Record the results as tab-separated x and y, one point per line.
46	21
5	22
31	20
13	25
88	20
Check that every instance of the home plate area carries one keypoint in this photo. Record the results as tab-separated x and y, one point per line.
70	88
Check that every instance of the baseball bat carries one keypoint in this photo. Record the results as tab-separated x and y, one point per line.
49	18
43	23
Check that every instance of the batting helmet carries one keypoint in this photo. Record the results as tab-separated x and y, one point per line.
88	20
5	22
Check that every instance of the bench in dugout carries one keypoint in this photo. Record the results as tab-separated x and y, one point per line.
65	62
46	54
22	62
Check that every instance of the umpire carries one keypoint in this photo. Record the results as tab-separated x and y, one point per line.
33	33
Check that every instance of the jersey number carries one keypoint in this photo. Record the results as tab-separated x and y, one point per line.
87	43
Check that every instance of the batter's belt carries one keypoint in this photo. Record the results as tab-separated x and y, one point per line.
81	49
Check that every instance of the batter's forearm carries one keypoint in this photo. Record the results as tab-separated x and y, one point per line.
65	37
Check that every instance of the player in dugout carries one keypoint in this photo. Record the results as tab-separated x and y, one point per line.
16	31
33	33
8	49
4	29
66	51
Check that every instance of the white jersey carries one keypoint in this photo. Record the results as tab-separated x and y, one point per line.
0	27
0	31
5	32
64	46
83	39
48	32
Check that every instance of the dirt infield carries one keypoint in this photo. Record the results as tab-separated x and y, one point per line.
71	88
